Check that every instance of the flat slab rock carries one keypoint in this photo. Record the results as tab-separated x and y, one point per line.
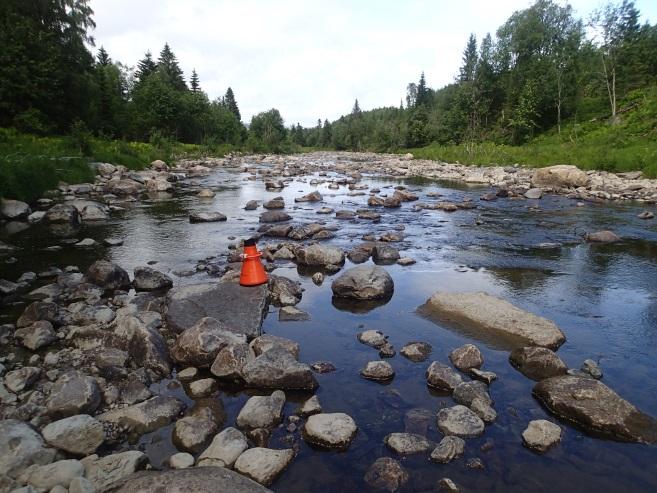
238	307
460	421
263	465
493	319
330	430
596	408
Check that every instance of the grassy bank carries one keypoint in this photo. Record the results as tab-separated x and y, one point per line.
30	165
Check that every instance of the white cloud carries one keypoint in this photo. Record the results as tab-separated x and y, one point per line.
309	59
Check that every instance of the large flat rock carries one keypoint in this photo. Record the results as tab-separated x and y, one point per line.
596	408
492	319
240	309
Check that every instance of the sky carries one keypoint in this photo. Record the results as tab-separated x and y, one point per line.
309	59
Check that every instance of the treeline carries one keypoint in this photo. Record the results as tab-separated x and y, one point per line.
543	66
51	84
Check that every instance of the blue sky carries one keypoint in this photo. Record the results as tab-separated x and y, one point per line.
310	59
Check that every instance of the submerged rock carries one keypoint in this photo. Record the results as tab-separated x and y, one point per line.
460	421
596	408
541	434
486	316
330	430
378	370
407	443
364	282
449	448
537	363
442	377
386	474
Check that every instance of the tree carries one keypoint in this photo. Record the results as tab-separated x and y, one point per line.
423	96
231	104
411	95
103	57
145	67
194	82
327	134
268	130
356	111
470	58
167	65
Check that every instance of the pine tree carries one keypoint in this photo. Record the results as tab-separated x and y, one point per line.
103	57
167	64
231	104
145	67
467	71
356	109
423	95
194	82
327	134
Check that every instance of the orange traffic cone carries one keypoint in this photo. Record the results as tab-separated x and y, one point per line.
253	273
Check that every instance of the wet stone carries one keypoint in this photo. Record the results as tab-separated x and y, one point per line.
206	217
541	434
407	443
483	409
262	464
484	376
447	485
387	350
386	474
466	357
460	421
537	363
372	338
466	392
310	406
224	450
323	367
330	430
417	421
416	351
262	411
592	368
378	370
292	314
449	448
442	377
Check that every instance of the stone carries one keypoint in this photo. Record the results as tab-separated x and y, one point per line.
391	202
251	205
602	237
485	376
406	261
274	185
78	435
646	215
203	388
274	216
148	279
344	214
446	484
224	450
262	411
22	379
482	408
311	197
292	314
372	338
191	432
239	308
541	435
230	361
417	421
364	282
74	393
106	470
488	317
560	176
277	368
14	210
206	217
465	392
206	193
466	357
144	344
284	291
200	344
442	377
275	203
416	351
320	256
310	406
108	275
181	460
188	374
595	408
306	231
146	416
387	350
450	447
194	479
63	214
37	335
533	193
20	447
262	464
537	363
323	367
80	484
460	421
279	231
378	370
284	253
591	367
385	254
86	243
266	342
386	474
38	311
60	473
330	430
407	443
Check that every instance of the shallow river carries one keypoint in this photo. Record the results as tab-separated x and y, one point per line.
603	297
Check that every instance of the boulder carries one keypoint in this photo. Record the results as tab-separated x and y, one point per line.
37	335
20	447
262	464
50	476
262	411
275	203
181	460
442	377
602	237
78	435
274	216
148	279
146	416
310	406
199	345
284	291
22	379
320	256
63	214
378	370
541	434
239	308
106	470
191	432
278	369
407	443
449	448
311	197
483	315
230	361
73	393
460	421
125	187
224	450
143	343
40	311
466	392
251	205
108	275
466	357
537	363
386	474
206	217
560	176
595	408
14	210
306	231
267	341
385	254
416	351
533	193
330	430
365	282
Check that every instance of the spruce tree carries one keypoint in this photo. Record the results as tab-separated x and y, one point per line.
145	67
103	57
467	71
356	109
423	96
231	104
168	66
194	82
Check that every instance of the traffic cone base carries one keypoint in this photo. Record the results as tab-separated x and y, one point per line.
253	272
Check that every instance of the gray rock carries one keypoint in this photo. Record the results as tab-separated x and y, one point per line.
386	474
278	369
330	430
534	193
40	310
466	392
442	377
592	368
482	408
372	338
416	351
460	421
202	388
14	209
385	254
60	473
603	237
466	357
21	447
378	370
485	376
483	315
407	443
541	434
191	432
206	217
596	408
306	231
311	197
8	288
111	468
108	275
262	464
21	379
79	435
266	342
230	361
537	363
145	345
560	176
81	485
147	279
146	416
275	203
63	214
199	345
262	411
310	406
224	450
450	448
37	335
181	460
251	205
292	314
446	484
364	282
274	216
240	308
284	291
320	256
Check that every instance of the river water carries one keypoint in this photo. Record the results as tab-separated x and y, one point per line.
603	297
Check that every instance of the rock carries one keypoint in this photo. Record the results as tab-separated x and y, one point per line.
284	291
181	460
392	202
262	464
206	193
187	374
384	254
148	279
80	485
22	379
450	448
266	342
108	275
378	370
14	210
482	408
60	473
111	468
239	308
191	432
466	392
274	185
364	282
274	217
466	357
86	243
646	215
533	193
146	416
602	237
262	411
330	430
312	230
278	369
203	388
230	361
112	242
224	450
325	210
275	203
320	256
373	338
540	435
537	363
279	231
560	176
323	367
446	484
344	214
159	165
284	253
417	421
460	421
21	447
442	377
251	205
311	197
194	479
37	335
38	311
292	314
386	474
596	408
407	443
63	214
591	367
78	435
416	351
484	315
145	345
485	376
310	406
406	261
387	350
206	217
359	255
488	197
199	345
